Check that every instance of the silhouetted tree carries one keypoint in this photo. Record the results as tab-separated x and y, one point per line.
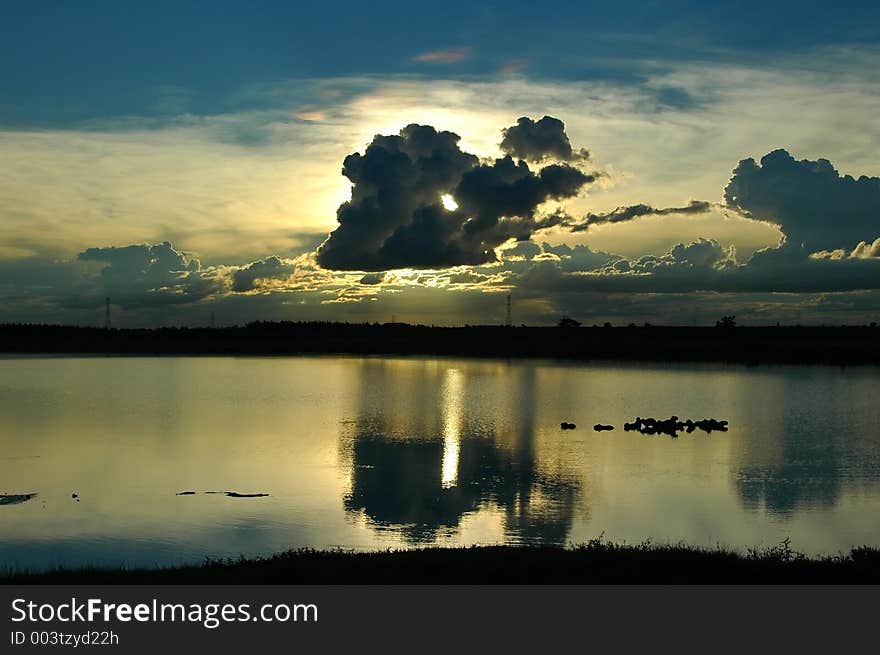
726	322
567	322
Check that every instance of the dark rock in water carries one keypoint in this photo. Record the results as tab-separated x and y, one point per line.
567	426
74	495
601	428
635	425
15	499
672	425
231	494
709	424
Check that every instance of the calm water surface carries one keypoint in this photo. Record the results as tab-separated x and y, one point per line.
392	452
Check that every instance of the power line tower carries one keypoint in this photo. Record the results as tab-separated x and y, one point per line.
107	313
507	322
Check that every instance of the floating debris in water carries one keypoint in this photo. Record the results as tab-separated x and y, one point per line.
567	426
231	494
15	499
673	425
602	428
75	497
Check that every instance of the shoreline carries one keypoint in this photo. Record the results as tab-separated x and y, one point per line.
596	562
755	346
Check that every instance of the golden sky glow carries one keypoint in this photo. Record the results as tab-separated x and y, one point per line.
240	187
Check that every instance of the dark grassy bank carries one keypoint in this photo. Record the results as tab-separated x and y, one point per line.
595	562
750	345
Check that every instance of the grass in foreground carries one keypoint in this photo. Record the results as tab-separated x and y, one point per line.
597	561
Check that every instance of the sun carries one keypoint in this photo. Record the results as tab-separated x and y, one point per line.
448	202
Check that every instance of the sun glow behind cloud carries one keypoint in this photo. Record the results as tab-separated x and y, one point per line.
243	186
448	202
198	184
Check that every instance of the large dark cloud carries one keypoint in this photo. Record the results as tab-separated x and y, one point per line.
395	217
509	188
394	177
814	206
538	140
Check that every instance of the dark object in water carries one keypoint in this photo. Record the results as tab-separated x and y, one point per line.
567	426
231	494
15	499
672	425
601	428
75	497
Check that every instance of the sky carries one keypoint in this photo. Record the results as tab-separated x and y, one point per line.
637	162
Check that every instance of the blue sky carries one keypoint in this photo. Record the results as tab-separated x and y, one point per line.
69	61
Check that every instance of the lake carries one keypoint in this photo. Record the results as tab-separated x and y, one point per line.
368	453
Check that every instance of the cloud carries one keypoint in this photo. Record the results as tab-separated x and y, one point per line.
509	188
705	265
538	140
684	267
394	177
864	250
151	261
811	202
274	273
310	115
445	56
468	278
238	203
577	258
273	267
522	250
395	218
147	274
373	278
702	277
628	213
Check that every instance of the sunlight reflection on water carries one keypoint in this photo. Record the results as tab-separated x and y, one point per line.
377	452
